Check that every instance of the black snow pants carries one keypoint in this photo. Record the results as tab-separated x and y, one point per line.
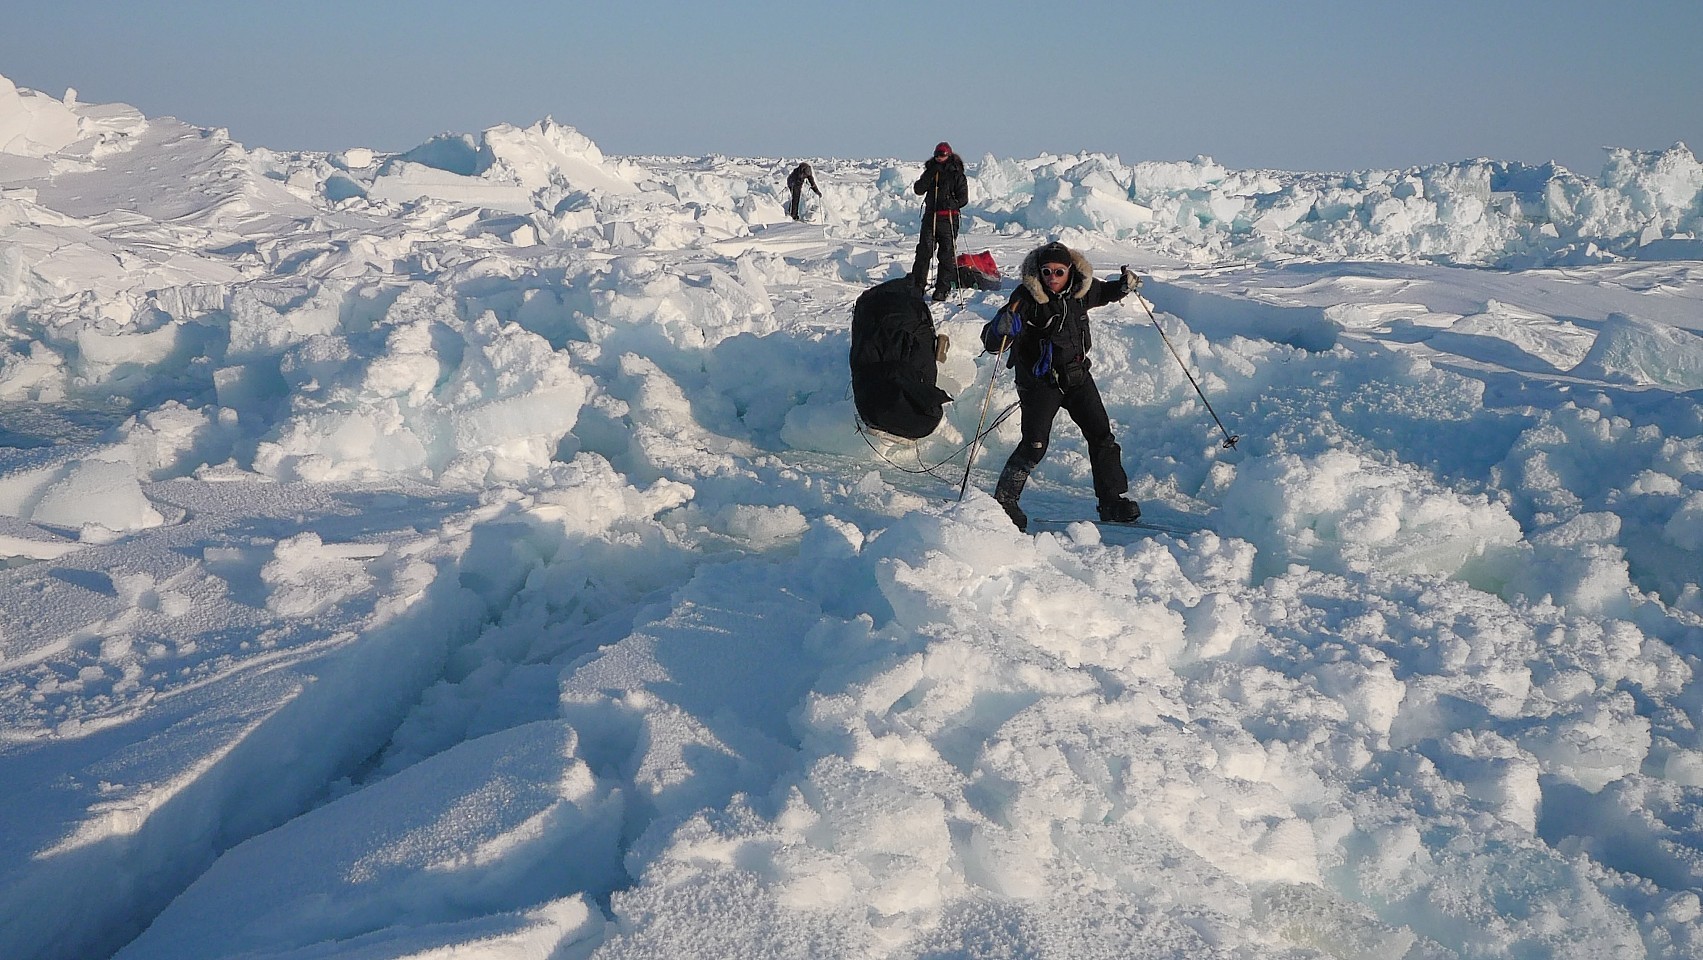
939	236
1039	403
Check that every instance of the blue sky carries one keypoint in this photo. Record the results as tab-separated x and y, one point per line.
1298	85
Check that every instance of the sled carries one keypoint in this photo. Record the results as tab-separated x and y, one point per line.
978	270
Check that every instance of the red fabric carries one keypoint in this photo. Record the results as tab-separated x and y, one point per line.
979	261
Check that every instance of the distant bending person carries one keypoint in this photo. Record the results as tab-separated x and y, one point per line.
944	190
1045	325
795	181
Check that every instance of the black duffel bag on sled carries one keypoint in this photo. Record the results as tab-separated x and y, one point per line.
893	361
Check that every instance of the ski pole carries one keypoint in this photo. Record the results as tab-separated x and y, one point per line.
1229	438
976	441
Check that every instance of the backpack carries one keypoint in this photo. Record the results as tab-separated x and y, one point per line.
893	361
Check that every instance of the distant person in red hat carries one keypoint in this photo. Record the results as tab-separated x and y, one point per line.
944	190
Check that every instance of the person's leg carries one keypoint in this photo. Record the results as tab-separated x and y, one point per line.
1038	408
797	194
946	277
925	252
1105	457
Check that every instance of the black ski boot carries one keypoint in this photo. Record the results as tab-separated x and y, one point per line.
1016	514
1010	487
1120	510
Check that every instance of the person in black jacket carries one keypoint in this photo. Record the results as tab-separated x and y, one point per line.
1045	325
944	190
795	182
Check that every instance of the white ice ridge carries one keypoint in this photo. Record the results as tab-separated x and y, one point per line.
471	552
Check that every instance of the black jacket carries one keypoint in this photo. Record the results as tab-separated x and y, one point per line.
943	185
800	176
1060	320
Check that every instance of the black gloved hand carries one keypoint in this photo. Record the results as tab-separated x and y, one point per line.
1005	326
1128	281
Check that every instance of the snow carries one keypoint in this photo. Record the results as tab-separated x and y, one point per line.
469	552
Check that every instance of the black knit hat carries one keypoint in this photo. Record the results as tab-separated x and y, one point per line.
1054	252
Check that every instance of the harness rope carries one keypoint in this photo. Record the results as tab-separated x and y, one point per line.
864	431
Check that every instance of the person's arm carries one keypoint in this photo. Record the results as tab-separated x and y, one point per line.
1102	292
1005	327
813	185
930	173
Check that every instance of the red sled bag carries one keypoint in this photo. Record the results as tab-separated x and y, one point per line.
978	270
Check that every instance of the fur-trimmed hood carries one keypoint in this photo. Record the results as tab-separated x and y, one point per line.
1031	274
